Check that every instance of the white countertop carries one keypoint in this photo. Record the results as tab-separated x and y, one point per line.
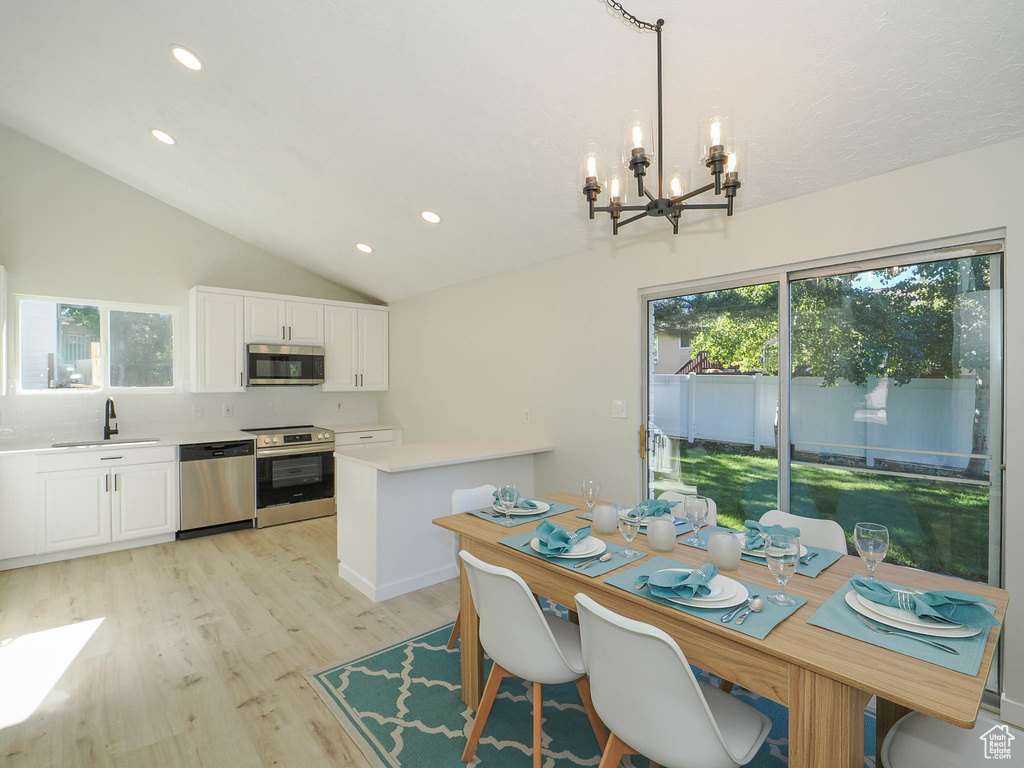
403	458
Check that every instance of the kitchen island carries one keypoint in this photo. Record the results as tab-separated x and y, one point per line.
387	496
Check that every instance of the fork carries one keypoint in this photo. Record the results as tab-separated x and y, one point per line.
807	559
882	631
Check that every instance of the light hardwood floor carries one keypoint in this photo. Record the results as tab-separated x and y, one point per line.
200	656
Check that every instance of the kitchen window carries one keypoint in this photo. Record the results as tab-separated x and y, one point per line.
69	345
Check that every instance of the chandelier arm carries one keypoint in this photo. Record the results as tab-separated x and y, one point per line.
632	219
692	193
650	197
706	207
620	208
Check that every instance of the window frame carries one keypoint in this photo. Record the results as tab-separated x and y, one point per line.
105	308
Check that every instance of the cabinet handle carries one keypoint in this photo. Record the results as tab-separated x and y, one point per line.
110	458
282	333
355	379
115	480
289	333
366	437
360	379
106	484
240	379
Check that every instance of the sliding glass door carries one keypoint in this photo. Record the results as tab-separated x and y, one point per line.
889	408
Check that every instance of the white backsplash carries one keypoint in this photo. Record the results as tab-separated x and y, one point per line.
66	416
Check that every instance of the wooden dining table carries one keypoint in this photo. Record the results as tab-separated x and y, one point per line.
824	678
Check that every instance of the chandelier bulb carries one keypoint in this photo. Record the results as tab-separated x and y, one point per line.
591	166
716	133
676	186
638	136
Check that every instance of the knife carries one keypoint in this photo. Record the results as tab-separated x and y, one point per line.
732	614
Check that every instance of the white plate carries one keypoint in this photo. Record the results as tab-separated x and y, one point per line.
740	595
903	615
933	631
760	552
722	587
540	510
589	547
676	521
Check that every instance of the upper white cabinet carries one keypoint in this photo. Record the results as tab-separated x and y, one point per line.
276	321
218	341
356	349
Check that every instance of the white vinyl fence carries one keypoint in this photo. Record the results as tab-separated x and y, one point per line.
926	421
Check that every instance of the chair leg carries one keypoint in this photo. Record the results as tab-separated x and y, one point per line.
456	629
613	752
654	764
726	686
538	712
490	691
583	684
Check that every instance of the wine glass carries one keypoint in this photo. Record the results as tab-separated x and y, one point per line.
629	527
508	495
872	542
783	555
590	488
696	509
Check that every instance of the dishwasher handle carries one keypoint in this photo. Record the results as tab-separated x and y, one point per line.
222	450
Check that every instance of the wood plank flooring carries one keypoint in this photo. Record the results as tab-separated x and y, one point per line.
200	656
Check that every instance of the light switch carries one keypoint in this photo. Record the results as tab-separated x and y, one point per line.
527	418
618	409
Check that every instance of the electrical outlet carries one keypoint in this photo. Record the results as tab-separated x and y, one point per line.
526	416
226	410
618	409
339	406
197	411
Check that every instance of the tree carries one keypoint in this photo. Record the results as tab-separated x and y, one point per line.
901	323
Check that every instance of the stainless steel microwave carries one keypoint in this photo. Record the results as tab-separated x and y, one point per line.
276	365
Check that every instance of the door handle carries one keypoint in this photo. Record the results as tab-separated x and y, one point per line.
643	442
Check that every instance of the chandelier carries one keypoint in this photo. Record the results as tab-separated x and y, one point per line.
718	154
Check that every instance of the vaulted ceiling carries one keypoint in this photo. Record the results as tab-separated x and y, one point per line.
319	123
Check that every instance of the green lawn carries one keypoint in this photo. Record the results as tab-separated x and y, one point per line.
935	525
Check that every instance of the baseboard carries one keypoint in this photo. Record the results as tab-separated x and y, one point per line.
1011	711
396	588
71	554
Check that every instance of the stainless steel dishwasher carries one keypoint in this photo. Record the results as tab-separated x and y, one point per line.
218	487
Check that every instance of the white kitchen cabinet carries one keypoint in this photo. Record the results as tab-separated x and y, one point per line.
145	501
75	509
356	349
218	345
276	321
3	330
17	506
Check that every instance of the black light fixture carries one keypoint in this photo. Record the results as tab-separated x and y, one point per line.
718	154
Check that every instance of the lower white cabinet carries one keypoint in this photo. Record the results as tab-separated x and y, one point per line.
101	497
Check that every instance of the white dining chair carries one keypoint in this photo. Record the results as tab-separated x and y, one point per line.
814	532
919	741
523	641
645	693
676	496
464	500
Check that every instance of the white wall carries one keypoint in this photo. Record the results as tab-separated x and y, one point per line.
68	230
563	338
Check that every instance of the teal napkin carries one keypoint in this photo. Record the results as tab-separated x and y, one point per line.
941	605
554	540
656	507
668	584
757	535
521	503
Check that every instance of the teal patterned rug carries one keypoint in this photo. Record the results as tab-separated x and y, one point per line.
402	707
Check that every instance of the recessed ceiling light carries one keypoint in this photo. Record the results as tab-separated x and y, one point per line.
186	58
431	217
163	136
364	248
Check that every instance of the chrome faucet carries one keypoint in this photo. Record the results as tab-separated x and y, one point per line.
109	413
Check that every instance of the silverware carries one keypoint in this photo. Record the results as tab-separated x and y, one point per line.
732	614
756	606
587	563
883	631
806	560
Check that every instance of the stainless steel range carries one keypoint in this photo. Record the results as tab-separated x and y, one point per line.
294	474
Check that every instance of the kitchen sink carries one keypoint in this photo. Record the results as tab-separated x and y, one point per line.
102	443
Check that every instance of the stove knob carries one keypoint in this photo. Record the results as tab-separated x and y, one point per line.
266	440
275	439
320	436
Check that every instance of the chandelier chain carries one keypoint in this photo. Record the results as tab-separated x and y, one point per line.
616	6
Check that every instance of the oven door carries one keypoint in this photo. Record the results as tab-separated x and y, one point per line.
275	365
294	476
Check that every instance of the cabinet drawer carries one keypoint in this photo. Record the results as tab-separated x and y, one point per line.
104	457
364	438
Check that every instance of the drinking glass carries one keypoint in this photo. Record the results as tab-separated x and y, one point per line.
872	542
508	495
696	509
783	555
590	489
629	527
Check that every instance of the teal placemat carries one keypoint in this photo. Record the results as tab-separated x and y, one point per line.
757	624
836	616
520	541
681	525
817	564
557	508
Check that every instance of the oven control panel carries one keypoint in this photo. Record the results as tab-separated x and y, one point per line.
295	438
